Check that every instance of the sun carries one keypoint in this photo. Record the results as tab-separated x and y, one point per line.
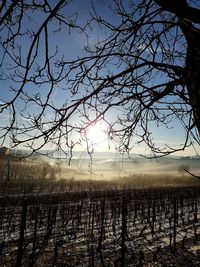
97	134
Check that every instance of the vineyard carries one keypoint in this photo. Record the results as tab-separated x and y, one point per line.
135	227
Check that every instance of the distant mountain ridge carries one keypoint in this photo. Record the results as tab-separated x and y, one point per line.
55	154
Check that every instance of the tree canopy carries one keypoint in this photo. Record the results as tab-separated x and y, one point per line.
138	67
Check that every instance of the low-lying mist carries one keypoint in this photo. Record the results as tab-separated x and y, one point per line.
112	168
98	173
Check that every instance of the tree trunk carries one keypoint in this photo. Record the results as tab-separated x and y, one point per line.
187	16
192	68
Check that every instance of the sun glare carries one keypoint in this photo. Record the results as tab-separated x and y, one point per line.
97	134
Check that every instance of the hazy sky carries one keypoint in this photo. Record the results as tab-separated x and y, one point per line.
70	43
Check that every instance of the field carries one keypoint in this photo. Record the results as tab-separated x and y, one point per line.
130	227
101	212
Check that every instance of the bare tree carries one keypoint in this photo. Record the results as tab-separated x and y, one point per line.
143	70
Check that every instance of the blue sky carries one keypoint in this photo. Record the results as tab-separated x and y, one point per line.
71	43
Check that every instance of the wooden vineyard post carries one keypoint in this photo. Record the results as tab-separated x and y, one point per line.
174	226
101	237
102	224
152	223
123	231
195	221
51	220
32	257
22	230
55	254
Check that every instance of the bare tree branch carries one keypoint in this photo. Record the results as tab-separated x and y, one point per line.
140	74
